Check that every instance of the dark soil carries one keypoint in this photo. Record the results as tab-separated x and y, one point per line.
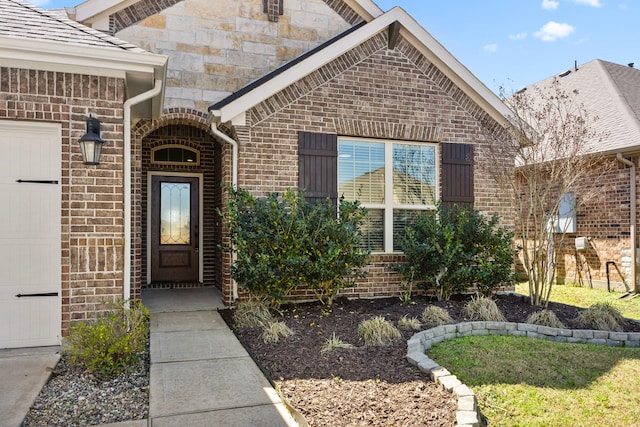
365	386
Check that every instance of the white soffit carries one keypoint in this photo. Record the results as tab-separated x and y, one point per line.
411	30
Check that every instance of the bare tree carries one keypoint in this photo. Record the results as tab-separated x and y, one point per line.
551	139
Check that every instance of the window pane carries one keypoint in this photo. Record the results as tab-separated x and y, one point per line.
361	171
414	174
175	213
373	230
401	220
174	155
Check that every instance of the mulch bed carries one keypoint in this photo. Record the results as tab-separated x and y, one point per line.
365	386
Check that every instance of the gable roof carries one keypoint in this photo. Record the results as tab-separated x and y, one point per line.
236	105
97	12
611	93
33	38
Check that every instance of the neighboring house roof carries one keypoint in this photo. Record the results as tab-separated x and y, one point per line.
236	105
33	38
611	93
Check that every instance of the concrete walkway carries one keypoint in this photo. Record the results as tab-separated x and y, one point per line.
200	373
23	373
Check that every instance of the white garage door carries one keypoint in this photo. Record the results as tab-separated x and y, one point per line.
29	234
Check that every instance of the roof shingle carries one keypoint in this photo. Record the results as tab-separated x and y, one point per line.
26	21
611	93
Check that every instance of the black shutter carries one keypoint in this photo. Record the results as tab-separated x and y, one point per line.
457	174
318	166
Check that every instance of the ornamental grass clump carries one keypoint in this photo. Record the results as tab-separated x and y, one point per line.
111	344
378	332
602	316
333	343
407	322
275	331
433	316
483	308
545	318
253	314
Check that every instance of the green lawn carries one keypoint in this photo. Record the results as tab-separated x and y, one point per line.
585	297
531	382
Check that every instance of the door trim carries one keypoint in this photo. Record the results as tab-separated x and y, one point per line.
200	177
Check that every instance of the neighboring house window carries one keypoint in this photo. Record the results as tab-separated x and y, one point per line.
175	155
394	180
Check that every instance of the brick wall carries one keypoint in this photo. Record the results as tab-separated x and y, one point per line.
603	216
370	92
217	47
92	200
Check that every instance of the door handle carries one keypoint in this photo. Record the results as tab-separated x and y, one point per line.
197	239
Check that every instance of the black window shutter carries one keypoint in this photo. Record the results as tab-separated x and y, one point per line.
457	174
318	166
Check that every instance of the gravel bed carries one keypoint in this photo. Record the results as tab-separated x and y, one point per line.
73	397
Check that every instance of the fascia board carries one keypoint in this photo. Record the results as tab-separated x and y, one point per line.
367	9
76	58
90	9
412	31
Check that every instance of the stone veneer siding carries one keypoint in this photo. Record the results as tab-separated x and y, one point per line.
92	199
217	47
370	92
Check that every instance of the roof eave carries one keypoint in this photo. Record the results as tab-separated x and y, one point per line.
411	30
138	69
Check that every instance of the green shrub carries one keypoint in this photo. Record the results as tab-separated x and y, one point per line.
283	243
252	313
407	322
483	308
602	316
111	344
453	250
378	332
433	315
275	331
545	318
333	343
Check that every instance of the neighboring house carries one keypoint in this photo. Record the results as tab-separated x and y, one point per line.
261	94
598	250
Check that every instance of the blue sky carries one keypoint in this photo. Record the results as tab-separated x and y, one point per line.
515	43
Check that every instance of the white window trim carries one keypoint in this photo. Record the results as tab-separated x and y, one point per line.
388	206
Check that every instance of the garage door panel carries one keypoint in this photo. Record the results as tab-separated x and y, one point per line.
37	201
42	327
30	233
23	271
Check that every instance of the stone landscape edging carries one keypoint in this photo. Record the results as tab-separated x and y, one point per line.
467	414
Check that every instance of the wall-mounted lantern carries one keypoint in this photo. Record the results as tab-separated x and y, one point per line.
91	143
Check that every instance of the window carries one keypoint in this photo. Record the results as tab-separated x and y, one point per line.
395	181
175	155
369	170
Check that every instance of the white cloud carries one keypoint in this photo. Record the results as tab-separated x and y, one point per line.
490	48
550	4
519	36
39	3
552	31
592	3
